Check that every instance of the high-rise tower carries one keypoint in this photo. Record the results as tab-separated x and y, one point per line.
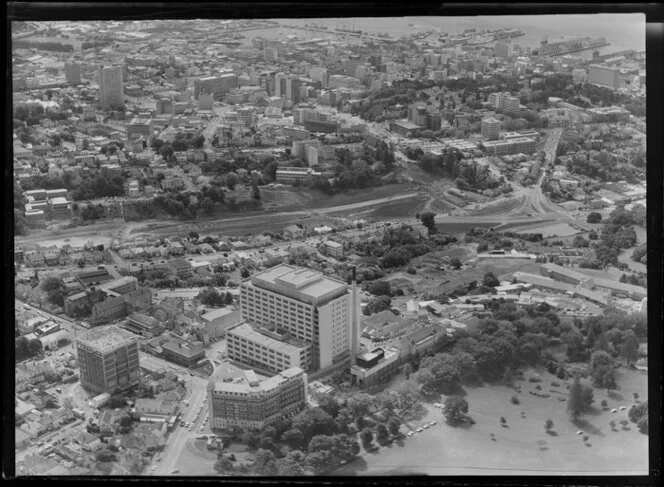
110	87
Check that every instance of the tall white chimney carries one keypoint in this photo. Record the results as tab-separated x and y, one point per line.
355	319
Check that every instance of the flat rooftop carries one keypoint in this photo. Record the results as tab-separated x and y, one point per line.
106	337
182	348
300	279
245	330
265	385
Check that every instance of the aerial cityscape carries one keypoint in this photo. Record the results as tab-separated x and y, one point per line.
314	247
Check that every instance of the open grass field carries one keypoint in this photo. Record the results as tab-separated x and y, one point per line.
462	227
522	225
555	230
523	447
398	209
320	200
194	460
502	268
285	196
498	208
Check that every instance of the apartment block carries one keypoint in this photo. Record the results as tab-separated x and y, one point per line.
108	359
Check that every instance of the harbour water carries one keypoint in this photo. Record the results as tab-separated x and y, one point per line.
622	31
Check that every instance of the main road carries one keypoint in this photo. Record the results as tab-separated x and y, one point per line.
164	462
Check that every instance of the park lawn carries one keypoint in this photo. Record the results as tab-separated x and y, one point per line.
498	208
402	208
523	447
502	268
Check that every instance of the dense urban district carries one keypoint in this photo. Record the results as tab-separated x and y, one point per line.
238	254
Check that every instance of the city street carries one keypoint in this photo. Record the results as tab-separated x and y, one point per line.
166	460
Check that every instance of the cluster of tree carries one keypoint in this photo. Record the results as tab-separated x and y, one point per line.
634	279
488	238
98	187
367	273
603	369
602	166
447	164
617	234
55	290
580	242
614	333
381	100
26	349
20	222
640	254
639	414
379	288
579	399
509	339
182	205
44	46
184	141
456	410
442	373
212	297
376	305
95	44
428	219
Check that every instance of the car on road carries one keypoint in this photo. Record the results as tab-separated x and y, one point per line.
579	432
419	430
175	470
425	426
433	423
614	410
622	408
410	433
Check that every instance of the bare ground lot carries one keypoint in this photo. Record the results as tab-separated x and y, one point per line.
523	447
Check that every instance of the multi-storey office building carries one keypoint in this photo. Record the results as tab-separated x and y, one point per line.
603	75
521	145
490	128
108	359
312	307
73	73
253	404
110	88
215	85
268	350
503	49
